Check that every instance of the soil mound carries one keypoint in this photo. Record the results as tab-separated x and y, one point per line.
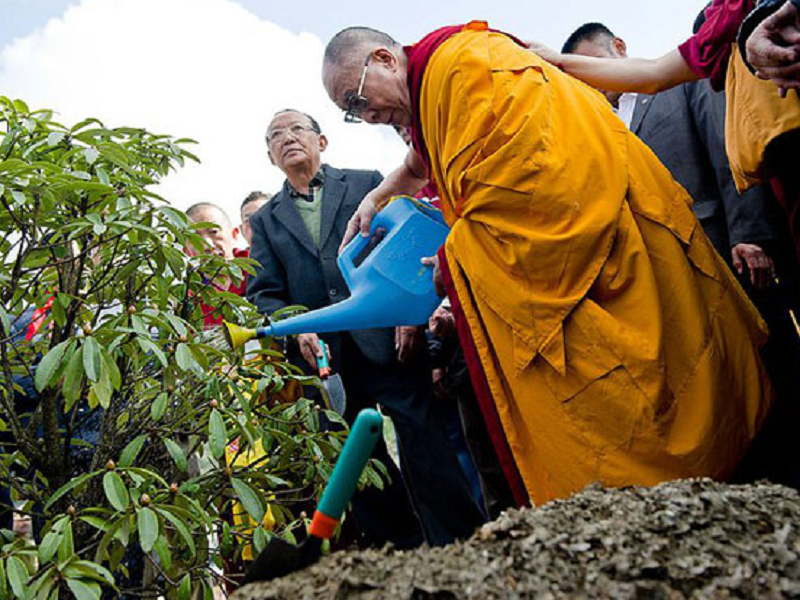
682	539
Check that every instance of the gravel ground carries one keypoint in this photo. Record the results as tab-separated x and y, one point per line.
683	539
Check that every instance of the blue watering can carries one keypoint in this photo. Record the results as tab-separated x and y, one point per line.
388	284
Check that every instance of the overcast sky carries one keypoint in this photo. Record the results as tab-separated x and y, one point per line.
216	70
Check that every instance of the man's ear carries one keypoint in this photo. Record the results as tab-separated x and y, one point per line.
271	159
620	47
323	142
385	56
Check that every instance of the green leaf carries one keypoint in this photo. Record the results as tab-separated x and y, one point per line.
87	569
102	176
103	389
163	552
185	360
17	576
66	549
260	539
116	491
159	406
217	434
113	371
185	588
177	324
92	359
147	524
5	322
55	138
84	590
100	523
51	541
147	346
68	487
91	155
49	365
176	453
73	380
131	451
250	500
178	524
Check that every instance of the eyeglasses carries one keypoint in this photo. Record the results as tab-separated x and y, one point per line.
278	136
357	103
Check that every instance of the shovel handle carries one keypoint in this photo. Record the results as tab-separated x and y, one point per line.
357	449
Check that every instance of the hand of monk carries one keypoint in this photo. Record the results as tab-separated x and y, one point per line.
408	342
760	265
361	219
310	348
774	47
438	282
545	52
442	322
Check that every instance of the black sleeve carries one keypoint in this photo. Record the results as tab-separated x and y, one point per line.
267	289
747	216
764	9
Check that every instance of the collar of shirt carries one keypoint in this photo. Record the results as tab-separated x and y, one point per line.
625	108
314	186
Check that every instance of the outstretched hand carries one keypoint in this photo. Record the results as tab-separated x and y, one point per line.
774	47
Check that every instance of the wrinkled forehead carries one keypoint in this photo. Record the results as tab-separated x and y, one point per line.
286	119
339	81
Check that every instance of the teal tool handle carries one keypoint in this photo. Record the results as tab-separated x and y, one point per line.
357	449
322	361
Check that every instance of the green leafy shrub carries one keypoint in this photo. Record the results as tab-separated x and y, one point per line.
85	238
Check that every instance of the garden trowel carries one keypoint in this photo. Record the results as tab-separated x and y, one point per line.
280	558
332	388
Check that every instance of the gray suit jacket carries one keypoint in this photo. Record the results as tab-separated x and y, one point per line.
685	128
294	271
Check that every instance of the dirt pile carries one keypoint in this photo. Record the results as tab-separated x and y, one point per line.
683	539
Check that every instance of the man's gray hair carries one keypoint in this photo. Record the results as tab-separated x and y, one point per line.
343	49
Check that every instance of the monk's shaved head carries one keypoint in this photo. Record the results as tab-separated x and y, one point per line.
364	73
350	46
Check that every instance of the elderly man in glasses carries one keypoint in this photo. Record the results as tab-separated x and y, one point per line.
606	339
295	237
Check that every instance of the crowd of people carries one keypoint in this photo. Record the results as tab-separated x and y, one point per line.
621	270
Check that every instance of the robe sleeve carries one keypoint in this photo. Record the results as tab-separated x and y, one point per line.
707	52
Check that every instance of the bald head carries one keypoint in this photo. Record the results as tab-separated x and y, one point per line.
365	69
221	237
198	212
351	46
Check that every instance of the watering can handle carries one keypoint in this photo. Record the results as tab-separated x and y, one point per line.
364	434
359	243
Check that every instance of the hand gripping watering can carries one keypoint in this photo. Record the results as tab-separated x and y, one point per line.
388	284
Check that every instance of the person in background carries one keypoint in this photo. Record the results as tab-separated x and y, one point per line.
295	241
222	241
249	207
762	128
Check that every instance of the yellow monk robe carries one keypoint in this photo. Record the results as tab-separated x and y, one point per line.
616	344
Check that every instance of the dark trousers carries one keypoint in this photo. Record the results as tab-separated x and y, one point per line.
436	484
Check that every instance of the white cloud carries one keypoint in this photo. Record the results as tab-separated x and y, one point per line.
205	69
